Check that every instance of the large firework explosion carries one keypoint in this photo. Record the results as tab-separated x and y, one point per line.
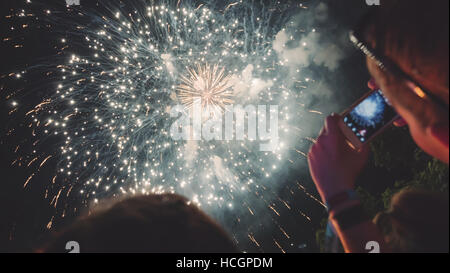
119	71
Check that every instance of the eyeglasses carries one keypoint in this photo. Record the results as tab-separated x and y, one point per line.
386	65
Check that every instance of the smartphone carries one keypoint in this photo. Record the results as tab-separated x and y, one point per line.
367	118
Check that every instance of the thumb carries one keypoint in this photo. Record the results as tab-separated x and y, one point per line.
332	126
332	123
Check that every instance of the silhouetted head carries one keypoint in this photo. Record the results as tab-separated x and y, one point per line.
145	224
417	221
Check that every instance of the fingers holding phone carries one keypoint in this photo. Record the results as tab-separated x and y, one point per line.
341	150
333	164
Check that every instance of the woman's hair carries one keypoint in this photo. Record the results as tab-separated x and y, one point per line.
416	31
414	34
145	224
417	221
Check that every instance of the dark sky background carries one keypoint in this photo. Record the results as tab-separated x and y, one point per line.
24	213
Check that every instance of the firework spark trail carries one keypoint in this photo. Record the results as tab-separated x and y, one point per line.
279	246
44	161
301	187
111	106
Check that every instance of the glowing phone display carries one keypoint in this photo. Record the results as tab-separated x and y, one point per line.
370	116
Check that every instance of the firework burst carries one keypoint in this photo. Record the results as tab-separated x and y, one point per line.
208	83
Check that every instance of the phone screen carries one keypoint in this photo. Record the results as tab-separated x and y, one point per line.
369	116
